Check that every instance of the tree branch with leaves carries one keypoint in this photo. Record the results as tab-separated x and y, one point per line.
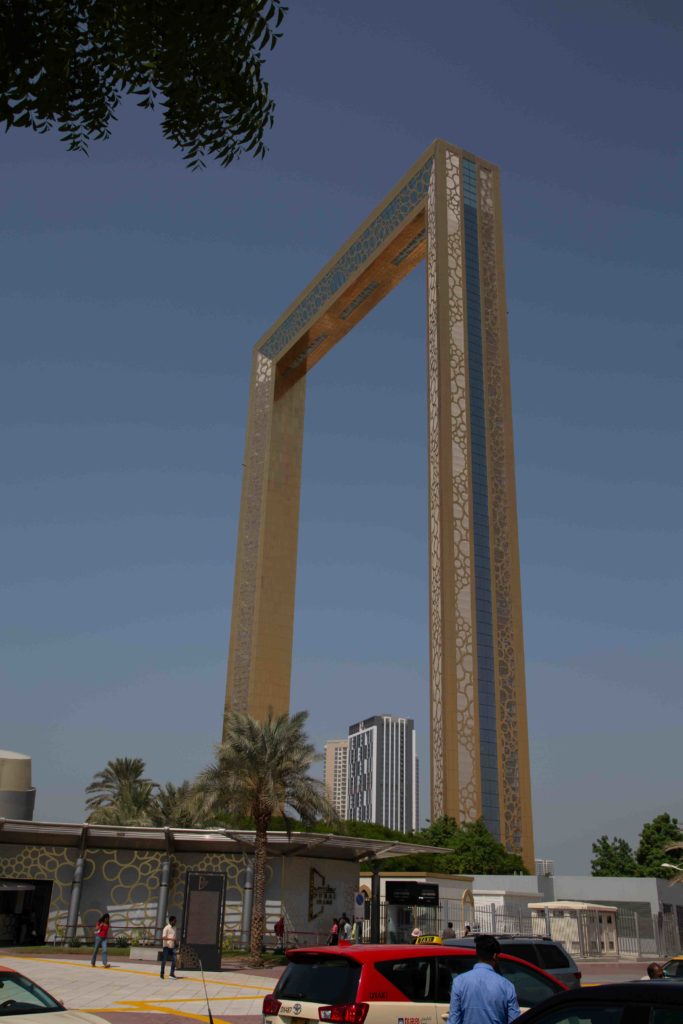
67	64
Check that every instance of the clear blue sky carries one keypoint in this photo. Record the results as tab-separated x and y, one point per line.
132	293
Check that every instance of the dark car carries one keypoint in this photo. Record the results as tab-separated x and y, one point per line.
545	953
633	1002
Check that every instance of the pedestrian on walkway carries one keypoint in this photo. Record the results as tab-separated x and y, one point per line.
279	930
169	940
482	996
333	938
101	933
448	932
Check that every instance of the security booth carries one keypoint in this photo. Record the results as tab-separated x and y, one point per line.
585	929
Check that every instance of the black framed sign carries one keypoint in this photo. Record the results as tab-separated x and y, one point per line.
202	927
412	894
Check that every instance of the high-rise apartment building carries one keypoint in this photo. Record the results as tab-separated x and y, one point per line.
382	772
335	774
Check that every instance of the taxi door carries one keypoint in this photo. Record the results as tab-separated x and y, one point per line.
447	968
414	978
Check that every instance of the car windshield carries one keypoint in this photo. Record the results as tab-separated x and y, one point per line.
19	995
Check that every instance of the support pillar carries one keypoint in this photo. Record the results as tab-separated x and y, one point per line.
374	905
247	905
162	902
75	899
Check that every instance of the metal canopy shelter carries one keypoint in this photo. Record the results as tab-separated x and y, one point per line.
326	846
84	837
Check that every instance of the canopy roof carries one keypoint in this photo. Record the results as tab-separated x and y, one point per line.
572	905
223	840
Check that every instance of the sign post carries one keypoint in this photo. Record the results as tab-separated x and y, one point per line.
202	928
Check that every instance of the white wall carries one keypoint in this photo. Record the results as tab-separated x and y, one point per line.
336	881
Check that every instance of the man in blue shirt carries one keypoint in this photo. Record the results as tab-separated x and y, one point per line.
482	996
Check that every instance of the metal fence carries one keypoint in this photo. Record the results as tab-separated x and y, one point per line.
585	933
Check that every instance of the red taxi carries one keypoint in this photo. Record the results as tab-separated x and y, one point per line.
386	984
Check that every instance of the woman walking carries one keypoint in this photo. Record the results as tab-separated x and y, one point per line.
101	933
333	939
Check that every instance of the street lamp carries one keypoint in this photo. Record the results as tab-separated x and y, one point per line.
674	867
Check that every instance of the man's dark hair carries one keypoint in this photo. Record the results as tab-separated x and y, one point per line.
171	919
654	970
486	946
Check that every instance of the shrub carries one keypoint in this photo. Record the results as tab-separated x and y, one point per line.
122	941
75	942
230	943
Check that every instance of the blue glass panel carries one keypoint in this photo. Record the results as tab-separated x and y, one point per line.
488	728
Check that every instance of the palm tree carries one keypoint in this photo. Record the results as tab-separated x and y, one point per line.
262	770
120	776
177	806
133	806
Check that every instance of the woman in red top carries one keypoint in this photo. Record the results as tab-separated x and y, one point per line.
333	939
101	933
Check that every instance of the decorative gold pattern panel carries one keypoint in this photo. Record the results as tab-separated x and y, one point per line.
246	583
122	882
232	865
43	863
435	587
468	788
125	883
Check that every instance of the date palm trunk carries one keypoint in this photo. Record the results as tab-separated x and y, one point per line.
259	907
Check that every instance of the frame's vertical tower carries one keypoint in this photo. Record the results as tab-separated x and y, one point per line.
480	760
260	659
448	209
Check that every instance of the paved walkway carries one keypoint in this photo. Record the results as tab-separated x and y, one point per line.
129	991
135	990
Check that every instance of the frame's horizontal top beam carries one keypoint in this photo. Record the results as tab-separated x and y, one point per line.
391	265
344	291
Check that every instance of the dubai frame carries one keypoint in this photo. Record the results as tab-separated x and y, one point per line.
447	209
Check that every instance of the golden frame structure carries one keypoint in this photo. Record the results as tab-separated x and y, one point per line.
447	210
